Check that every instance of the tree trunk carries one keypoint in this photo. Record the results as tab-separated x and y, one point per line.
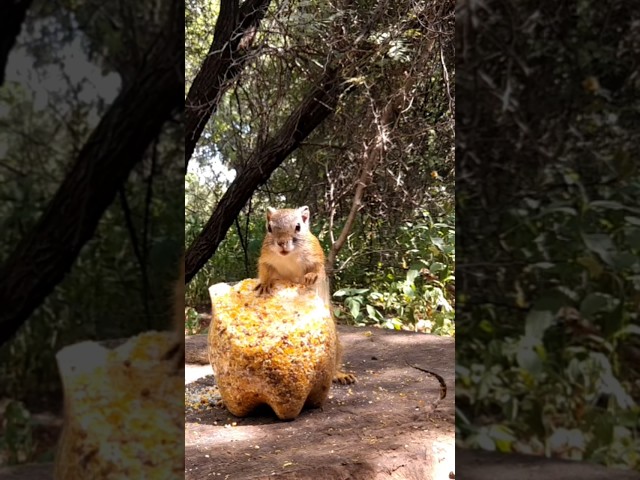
316	106
12	14
133	121
234	33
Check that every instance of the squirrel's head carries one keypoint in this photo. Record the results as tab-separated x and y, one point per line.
286	227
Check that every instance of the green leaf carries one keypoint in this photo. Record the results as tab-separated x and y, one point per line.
593	266
629	329
633	237
373	313
437	267
485	326
438	242
543	265
460	415
553	300
600	244
485	442
359	291
353	304
501	432
568	210
625	260
376	296
527	357
597	302
409	292
462	371
412	275
536	323
607	204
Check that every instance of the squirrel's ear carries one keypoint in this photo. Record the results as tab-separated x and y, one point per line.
304	213
270	211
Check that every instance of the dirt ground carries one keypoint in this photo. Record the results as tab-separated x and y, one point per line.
380	427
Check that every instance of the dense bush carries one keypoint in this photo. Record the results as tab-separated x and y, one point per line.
412	289
549	254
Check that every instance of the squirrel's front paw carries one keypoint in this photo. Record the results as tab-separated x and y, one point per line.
264	288
310	278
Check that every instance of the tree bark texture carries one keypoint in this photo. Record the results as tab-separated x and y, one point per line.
229	51
117	144
316	106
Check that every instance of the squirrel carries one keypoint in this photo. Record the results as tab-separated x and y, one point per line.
292	253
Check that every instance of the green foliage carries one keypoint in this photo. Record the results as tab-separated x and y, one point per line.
109	291
198	30
553	297
420	296
237	256
593	235
567	402
558	376
191	321
396	268
16	434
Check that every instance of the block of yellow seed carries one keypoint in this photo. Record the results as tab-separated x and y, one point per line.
124	411
277	350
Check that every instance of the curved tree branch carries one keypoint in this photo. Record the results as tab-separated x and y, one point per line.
316	106
134	120
233	36
373	155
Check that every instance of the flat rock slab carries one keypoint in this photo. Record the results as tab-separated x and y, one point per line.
380	427
480	465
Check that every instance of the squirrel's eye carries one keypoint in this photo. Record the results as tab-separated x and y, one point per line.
297	227
269	228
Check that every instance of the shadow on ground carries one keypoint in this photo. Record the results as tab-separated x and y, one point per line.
380	427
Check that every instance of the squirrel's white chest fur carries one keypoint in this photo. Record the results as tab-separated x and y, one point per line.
288	267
